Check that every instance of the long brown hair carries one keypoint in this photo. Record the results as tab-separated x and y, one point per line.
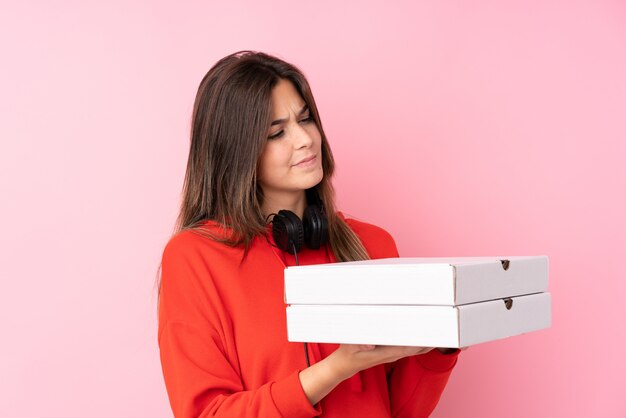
231	118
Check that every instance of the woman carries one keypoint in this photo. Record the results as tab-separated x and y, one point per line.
258	148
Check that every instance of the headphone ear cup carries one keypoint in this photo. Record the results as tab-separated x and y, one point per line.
288	231
315	227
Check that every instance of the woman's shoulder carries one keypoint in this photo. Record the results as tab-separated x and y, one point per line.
378	242
199	240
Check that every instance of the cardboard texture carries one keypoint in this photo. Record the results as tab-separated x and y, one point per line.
428	302
425	326
416	281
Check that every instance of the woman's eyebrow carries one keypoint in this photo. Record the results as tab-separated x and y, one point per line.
277	121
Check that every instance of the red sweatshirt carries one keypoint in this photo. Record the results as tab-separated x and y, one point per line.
223	338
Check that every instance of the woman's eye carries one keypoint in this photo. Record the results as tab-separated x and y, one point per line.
280	133
276	135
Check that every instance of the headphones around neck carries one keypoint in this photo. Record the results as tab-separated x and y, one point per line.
290	233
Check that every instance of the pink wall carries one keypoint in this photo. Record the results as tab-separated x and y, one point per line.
464	128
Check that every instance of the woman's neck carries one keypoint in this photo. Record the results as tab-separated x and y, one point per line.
273	202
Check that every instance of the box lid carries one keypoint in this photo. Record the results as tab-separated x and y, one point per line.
416	280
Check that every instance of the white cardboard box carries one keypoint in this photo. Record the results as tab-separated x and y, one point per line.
429	302
416	281
419	325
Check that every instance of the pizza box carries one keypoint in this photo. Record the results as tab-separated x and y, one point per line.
420	325
416	281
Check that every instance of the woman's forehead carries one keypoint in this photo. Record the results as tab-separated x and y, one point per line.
286	101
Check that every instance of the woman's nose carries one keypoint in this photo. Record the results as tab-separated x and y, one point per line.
302	138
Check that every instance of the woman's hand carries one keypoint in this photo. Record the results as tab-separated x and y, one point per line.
350	358
319	379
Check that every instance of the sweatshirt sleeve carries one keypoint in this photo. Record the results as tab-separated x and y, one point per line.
197	350
416	383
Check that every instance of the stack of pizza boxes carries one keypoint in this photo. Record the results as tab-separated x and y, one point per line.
428	302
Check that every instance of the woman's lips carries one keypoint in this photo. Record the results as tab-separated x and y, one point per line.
307	162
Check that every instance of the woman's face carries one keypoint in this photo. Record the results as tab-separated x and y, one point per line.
292	158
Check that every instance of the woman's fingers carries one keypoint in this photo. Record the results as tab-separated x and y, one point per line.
424	350
388	353
366	347
351	358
